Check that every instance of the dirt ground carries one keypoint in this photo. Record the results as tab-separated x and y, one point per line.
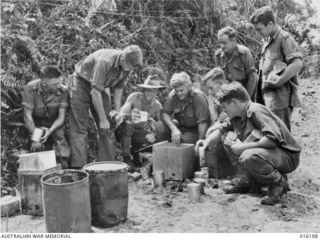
169	210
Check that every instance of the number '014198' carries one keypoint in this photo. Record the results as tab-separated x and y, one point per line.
309	236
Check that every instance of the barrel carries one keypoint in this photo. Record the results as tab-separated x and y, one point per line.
108	192
66	201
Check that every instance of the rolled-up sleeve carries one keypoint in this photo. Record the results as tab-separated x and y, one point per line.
291	49
248	62
201	109
64	102
168	105
99	75
27	98
266	123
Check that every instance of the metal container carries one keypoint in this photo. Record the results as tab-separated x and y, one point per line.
66	200
108	192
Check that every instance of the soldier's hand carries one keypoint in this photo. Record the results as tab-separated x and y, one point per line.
104	127
176	136
200	143
46	134
135	115
36	146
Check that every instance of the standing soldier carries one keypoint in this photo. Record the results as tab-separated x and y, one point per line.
95	76
279	65
236	61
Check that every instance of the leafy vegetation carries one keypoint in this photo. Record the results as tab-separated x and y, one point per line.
175	35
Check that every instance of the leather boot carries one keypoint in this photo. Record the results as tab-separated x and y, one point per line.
241	175
275	192
242	186
128	161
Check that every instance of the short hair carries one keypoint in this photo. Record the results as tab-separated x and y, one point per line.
214	74
229	31
232	90
50	71
179	79
133	55
263	15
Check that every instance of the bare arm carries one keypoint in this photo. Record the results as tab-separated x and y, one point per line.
202	129
28	119
98	106
175	132
59	121
264	142
291	70
252	83
56	124
117	95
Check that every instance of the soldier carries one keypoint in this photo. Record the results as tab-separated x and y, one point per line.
95	77
45	102
185	114
265	158
279	66
137	130
236	61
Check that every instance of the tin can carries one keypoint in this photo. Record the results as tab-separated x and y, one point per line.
37	134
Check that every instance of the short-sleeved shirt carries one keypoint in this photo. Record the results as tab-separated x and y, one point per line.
190	111
137	102
257	116
44	105
103	69
239	66
280	48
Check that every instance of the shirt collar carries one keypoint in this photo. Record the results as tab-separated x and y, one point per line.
41	91
244	114
276	34
234	53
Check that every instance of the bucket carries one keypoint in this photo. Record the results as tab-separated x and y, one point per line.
29	185
108	192
66	201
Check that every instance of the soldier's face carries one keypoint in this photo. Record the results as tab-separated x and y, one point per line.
51	85
264	30
149	94
126	65
213	86
225	43
230	107
182	91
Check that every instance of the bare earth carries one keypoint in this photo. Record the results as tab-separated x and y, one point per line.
170	210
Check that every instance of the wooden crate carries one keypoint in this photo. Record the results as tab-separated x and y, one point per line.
218	163
177	161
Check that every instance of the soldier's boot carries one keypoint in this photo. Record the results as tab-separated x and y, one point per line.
275	192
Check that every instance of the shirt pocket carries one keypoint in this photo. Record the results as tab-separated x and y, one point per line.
270	58
238	72
189	118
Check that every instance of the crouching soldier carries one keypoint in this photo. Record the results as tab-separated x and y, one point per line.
142	116
266	158
185	114
45	102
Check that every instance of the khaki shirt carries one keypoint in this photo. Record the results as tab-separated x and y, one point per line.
189	112
257	116
281	47
44	105
239	66
102	69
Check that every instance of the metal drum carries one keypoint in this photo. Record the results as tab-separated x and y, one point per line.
66	201
108	192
